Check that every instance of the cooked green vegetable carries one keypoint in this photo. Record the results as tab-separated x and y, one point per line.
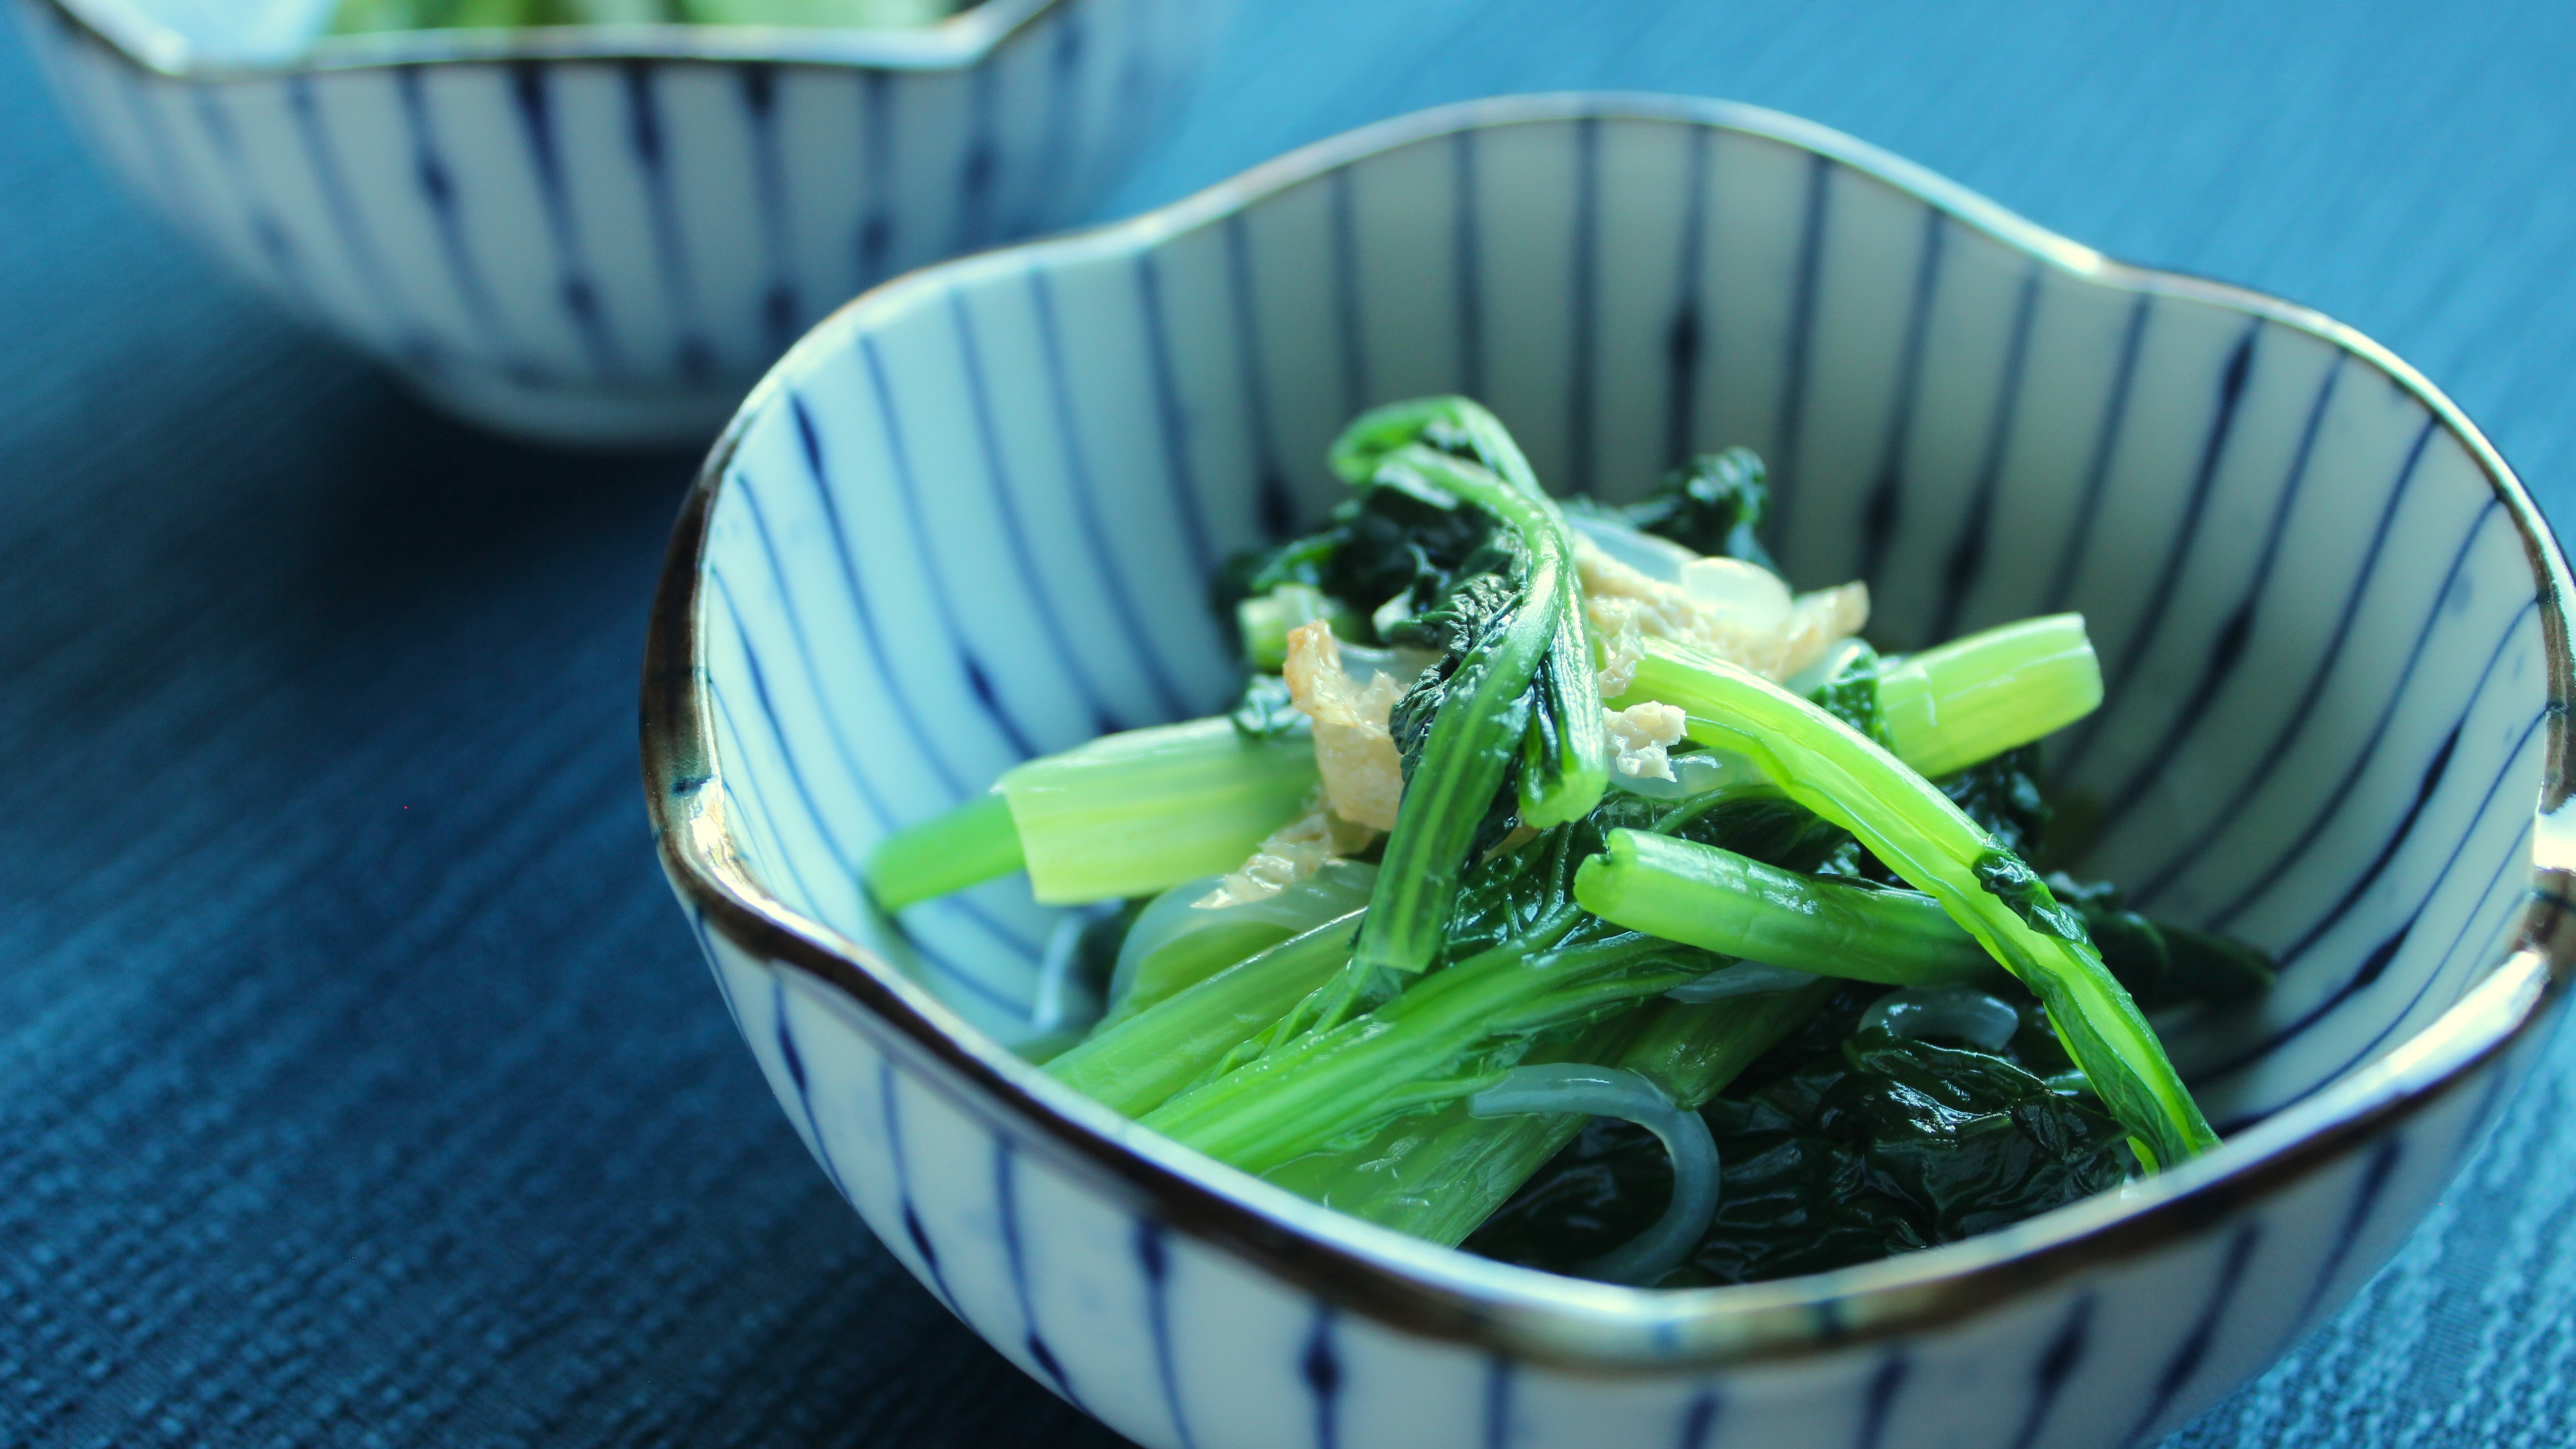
1265	620
1438	1174
1950	707
1713	505
1138	1068
1457	1031
1920	834
1081	805
1514	688
1737	906
1425	861
1129	814
1870	1146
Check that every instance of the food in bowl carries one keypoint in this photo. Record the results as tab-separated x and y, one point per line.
1567	887
364	16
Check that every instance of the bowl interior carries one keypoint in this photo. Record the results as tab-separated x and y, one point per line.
973	519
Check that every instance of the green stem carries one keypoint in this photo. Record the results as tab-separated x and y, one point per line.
1481	728
1438	1175
1736	906
1265	621
1974	698
1141	1062
1129	814
1827	767
1693	1051
949	852
1452	424
1445	1037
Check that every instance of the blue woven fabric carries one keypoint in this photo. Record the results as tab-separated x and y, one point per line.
358	1083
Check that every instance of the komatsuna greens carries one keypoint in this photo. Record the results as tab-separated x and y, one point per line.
1568	887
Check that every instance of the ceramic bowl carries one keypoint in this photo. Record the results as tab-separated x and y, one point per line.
970	518
604	235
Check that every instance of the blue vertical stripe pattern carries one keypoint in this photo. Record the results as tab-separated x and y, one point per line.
1966	561
1050	619
1087	507
1273	503
2331	805
2154	883
1798	345
890	1101
1699	1419
438	188
1321	1367
2395	898
782	310
1467	265
1015	1254
609	1272
1153	1257
2227	649
877	218
907	492
357	243
532	91
1173	424
2064	1355
1583	284
2194	1349
626	160
1879	517
695	356
2106	442
2122	670
1687	343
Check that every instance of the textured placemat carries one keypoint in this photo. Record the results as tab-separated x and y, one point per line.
357	1081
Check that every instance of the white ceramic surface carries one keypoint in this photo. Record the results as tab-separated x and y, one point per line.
972	517
603	236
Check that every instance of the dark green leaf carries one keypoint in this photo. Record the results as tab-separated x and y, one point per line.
1714	504
1265	711
1384	541
2162	964
2005	877
1852	697
2002	796
1464	619
1872	1146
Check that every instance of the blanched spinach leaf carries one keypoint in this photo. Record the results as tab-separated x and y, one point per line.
1266	713
1852	696
1872	1146
1382	541
1514	894
2160	963
2003	796
1714	504
2007	879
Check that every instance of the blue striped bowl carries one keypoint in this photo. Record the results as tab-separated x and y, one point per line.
605	235
971	518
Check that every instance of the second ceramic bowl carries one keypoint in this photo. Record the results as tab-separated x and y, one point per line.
604	235
973	516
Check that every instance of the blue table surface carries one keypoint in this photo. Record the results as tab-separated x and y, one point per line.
358	1083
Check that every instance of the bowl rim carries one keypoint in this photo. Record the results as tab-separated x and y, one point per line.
961	41
1413	1286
